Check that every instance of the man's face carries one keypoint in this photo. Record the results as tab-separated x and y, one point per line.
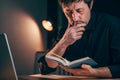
77	13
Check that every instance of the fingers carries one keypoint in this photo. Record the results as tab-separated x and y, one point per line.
77	32
67	69
87	67
78	23
78	28
75	72
73	33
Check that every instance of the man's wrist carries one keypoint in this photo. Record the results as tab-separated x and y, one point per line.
59	48
63	43
102	72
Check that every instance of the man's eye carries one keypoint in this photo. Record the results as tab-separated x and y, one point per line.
79	10
69	12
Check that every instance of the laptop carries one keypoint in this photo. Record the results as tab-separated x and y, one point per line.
7	67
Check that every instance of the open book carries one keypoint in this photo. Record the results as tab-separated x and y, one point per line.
72	64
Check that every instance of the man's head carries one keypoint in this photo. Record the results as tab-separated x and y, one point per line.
77	11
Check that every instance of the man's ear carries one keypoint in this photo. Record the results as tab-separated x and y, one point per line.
91	4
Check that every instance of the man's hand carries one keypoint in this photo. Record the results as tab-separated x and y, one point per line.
73	33
87	70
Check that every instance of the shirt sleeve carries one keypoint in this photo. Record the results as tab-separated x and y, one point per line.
44	68
115	71
115	49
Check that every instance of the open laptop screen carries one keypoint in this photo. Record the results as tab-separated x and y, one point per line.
7	68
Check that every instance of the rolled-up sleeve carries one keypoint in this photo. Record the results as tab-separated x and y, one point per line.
115	71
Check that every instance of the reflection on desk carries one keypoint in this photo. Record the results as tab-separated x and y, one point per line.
60	77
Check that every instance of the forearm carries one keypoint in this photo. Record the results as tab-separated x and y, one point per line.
59	49
102	72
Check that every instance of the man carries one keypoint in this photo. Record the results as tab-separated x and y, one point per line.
88	34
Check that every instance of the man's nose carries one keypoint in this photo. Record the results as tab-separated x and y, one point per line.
75	16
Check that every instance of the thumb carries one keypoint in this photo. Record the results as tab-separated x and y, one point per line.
86	67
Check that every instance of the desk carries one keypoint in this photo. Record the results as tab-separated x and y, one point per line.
60	77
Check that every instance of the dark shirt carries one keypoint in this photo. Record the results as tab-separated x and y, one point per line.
100	41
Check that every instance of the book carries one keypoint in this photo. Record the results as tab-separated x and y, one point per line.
72	64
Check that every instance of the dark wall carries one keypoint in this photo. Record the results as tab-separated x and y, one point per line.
108	6
52	15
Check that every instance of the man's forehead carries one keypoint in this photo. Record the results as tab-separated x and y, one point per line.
67	2
73	5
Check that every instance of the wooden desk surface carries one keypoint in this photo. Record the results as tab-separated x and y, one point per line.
60	77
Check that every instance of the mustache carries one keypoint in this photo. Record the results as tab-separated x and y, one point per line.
78	22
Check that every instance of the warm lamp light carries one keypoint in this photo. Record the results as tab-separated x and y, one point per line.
47	25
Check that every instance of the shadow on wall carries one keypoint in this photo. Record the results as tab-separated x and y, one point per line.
24	36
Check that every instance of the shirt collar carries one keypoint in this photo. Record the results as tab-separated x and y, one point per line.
91	24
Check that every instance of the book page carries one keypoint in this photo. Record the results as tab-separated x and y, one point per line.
56	59
59	60
65	60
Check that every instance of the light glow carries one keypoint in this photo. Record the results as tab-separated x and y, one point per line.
47	25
